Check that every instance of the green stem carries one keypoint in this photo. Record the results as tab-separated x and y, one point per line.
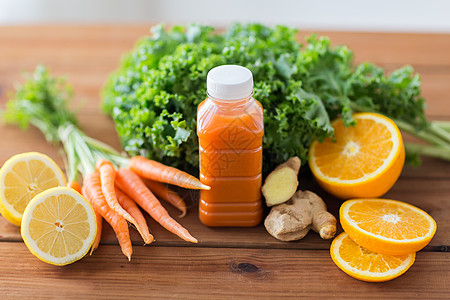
440	132
120	161
433	151
359	108
72	159
100	145
83	152
444	125
422	134
113	156
73	138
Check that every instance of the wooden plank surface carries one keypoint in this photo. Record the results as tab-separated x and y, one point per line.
209	273
227	262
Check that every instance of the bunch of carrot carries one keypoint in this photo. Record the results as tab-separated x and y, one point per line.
112	183
116	186
116	194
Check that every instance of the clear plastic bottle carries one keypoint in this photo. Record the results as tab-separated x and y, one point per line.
230	128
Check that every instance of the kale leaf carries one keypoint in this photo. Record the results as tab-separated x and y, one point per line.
154	94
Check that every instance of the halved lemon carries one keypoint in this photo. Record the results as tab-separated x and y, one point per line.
22	177
59	226
364	161
367	265
387	226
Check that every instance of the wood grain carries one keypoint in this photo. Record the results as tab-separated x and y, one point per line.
394	48
209	273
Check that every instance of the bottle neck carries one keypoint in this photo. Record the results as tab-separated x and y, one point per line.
231	103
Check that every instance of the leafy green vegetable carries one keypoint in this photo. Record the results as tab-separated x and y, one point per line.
154	94
153	98
43	101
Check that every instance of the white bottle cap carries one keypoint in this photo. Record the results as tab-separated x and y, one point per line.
229	82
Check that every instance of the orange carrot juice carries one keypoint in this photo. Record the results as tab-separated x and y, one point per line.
230	129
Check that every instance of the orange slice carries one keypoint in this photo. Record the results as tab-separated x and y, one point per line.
367	265
365	160
387	226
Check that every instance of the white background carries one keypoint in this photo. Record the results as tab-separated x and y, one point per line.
379	15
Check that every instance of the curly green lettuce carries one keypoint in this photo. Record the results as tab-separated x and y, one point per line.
154	94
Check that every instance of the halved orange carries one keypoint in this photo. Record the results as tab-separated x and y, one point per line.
364	161
366	265
387	226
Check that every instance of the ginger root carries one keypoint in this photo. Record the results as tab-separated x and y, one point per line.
292	220
282	182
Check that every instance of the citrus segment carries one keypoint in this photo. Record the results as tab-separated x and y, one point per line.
387	226
59	226
362	161
22	177
367	265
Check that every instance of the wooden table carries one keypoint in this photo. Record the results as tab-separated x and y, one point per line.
227	262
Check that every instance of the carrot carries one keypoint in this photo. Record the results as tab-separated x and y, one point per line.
107	178
74	185
131	207
98	236
99	219
93	190
132	185
163	192
156	171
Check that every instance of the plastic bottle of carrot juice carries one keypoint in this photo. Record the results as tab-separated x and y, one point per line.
230	129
